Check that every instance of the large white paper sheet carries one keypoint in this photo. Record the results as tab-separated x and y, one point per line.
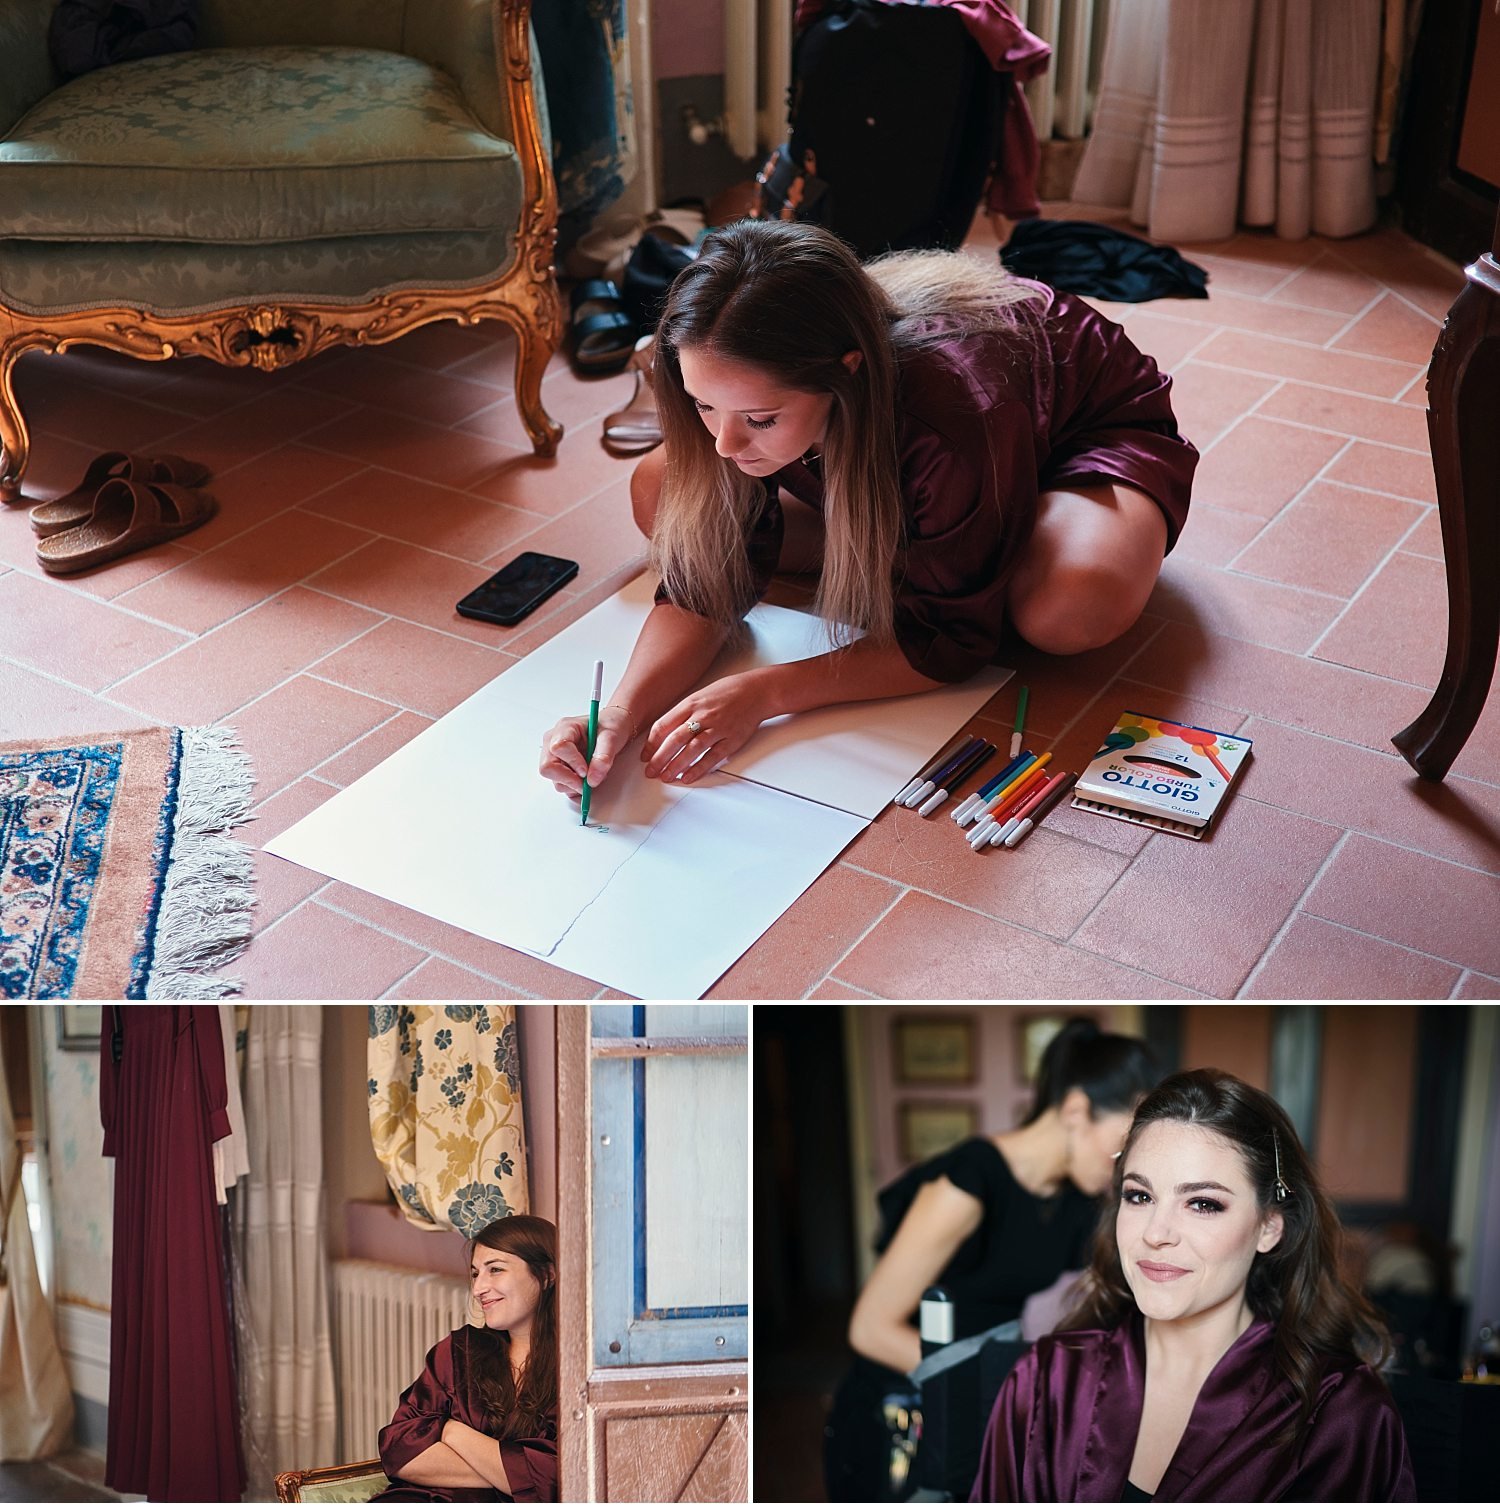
657	896
667	886
855	755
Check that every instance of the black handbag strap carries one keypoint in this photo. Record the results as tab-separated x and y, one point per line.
117	1035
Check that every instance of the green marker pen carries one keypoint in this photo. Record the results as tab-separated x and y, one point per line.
583	815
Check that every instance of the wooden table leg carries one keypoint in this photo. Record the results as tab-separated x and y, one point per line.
1463	422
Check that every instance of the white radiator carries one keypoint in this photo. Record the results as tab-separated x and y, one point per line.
1062	98
758	68
386	1320
757	73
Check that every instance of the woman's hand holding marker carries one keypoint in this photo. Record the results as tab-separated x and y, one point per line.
565	759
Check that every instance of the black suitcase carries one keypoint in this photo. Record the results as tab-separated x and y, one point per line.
895	124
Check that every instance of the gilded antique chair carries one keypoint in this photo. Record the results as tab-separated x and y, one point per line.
310	175
355	1483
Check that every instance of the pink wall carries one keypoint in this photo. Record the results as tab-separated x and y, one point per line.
687	37
999	1092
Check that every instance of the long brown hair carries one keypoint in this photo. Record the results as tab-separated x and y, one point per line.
1298	1285
793	300
524	1408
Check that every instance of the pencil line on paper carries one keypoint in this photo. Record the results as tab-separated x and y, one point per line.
609	879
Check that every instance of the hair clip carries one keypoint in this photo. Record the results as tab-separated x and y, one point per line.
1282	1189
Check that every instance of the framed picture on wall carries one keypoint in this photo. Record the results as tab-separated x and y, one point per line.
928	1127
934	1049
1033	1033
78	1027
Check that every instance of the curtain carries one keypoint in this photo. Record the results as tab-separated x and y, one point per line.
36	1401
286	1350
231	1160
586	72
1260	112
445	1112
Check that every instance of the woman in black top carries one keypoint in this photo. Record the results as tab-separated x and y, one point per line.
994	1220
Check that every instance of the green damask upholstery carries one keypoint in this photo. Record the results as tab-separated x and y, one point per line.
188	277
246	145
314	172
346	1490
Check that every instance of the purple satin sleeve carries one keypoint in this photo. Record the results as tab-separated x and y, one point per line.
1356	1448
971	494
425	1407
1007	1440
531	1469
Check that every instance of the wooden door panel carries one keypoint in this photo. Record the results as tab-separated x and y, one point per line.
675	1458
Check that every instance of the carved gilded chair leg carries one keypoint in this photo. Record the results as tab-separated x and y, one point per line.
532	355
15	442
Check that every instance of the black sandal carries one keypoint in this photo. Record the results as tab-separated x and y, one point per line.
603	333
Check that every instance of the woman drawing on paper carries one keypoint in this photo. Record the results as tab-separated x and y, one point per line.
480	1423
1219	1355
994	1220
952	449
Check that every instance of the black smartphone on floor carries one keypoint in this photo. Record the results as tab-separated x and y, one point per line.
526	582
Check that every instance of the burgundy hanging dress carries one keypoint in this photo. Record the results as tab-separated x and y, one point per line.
173	1408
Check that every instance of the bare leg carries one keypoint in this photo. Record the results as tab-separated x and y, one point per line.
645	489
1088	568
14	440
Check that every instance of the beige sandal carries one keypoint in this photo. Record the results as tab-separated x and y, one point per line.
636	428
127	516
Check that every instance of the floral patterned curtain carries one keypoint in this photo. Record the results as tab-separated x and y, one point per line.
445	1112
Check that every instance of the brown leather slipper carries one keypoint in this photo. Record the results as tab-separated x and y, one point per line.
127	516
74	507
636	428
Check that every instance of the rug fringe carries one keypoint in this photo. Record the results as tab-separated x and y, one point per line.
204	921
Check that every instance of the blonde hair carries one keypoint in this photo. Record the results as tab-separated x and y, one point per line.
793	300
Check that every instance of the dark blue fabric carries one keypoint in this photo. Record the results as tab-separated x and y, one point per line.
573	38
89	34
1077	256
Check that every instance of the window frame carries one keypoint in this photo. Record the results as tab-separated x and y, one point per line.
619	1050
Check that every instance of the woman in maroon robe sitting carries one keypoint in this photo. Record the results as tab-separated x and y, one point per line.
1218	1355
954	450
480	1424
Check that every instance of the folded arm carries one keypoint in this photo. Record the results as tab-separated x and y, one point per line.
479	1452
440	1465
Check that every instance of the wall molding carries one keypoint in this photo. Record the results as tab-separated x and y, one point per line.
83	1334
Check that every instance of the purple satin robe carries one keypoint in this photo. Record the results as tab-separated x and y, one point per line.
446	1390
986	423
1065	1424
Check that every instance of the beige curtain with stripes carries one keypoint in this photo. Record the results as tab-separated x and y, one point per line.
36	1401
445	1112
286	1352
1256	112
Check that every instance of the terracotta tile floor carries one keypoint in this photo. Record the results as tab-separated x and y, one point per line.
363	493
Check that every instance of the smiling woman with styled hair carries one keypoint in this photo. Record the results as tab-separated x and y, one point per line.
480	1423
1218	1354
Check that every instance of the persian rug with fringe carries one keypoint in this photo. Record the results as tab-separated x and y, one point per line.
119	879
